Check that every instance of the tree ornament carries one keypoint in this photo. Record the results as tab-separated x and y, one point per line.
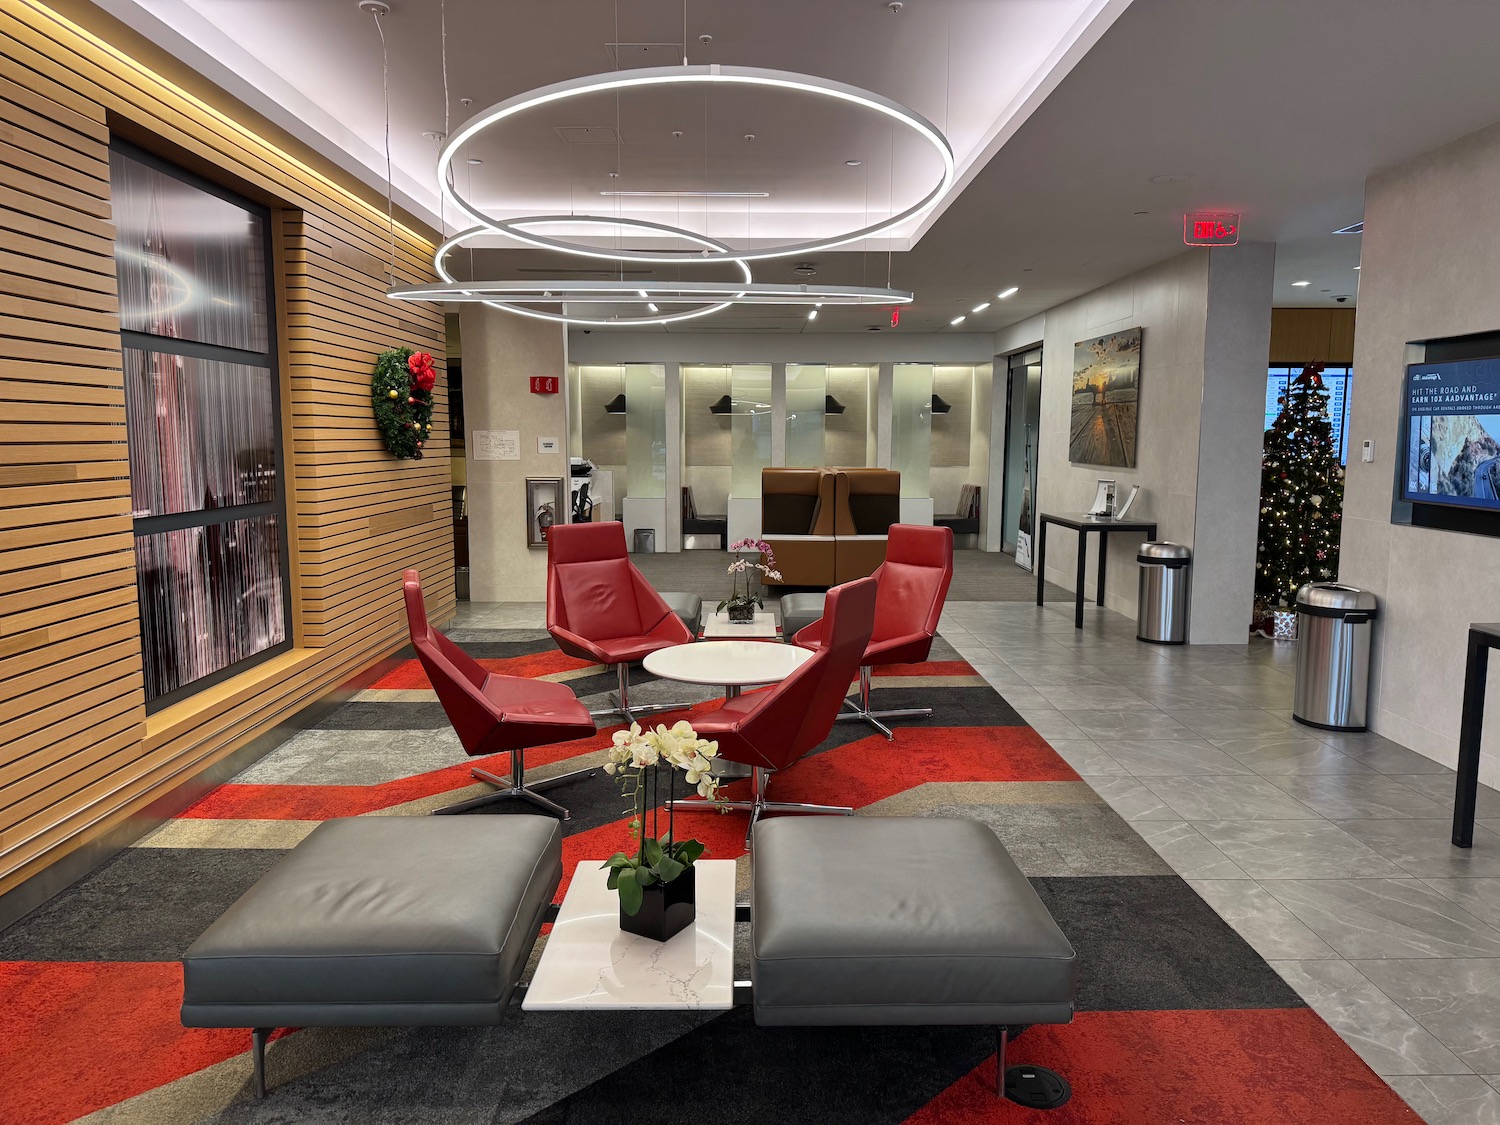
403	405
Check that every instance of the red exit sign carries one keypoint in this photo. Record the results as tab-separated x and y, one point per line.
1210	228
544	384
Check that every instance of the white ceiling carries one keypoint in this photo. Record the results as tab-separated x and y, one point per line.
1060	111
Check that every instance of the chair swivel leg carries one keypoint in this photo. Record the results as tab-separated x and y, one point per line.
632	712
862	710
515	787
758	805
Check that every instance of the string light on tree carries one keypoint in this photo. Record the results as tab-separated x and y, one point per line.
1302	496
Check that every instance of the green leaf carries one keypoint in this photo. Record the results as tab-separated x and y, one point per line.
669	869
687	852
613	882
653	852
644	876
630	896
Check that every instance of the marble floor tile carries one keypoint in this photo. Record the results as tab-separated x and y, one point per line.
1455	1099
1065	840
1424	848
1296	849
1457	999
1440	787
1114	725
1272	930
1345	797
1171	757
1078	675
1091	697
1274	754
1131	799
1381	754
1087	757
1053	724
1389	1040
1169	695
1242	675
1221	723
1363	918
1240	797
1480	897
1187	852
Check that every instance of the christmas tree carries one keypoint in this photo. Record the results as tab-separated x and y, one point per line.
1301	495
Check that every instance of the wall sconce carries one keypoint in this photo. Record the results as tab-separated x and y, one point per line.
722	405
832	405
615	405
940	405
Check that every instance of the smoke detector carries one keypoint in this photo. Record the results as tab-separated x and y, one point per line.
805	269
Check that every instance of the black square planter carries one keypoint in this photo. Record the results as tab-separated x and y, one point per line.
666	908
742	614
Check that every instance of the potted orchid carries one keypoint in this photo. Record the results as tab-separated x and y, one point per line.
657	884
745	599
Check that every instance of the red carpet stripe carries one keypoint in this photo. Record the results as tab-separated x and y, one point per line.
1148	1068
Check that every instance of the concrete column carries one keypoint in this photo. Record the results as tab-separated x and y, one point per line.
501	352
992	496
885	387
674	456
778	415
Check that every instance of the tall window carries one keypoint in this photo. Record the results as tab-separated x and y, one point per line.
203	422
1338	381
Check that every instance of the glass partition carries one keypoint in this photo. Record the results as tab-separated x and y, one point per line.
706	437
848	434
750	427
645	430
806	386
598	435
911	428
953	435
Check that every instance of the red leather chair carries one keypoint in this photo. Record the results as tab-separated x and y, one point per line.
913	584
601	608
772	729
495	714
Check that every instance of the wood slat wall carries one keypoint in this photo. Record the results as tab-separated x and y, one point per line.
78	754
1312	336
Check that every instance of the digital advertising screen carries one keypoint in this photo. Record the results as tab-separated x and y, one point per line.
1453	434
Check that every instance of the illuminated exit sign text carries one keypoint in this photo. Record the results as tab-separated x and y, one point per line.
1210	228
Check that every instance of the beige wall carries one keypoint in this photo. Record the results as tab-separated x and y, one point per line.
1430	268
500	353
1172	302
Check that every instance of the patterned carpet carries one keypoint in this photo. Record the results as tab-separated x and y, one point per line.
1179	1020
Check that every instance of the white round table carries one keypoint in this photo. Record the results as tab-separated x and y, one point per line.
735	664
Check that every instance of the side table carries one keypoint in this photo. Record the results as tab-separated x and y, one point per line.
1084	525
1482	638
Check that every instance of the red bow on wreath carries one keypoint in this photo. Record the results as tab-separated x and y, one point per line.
423	374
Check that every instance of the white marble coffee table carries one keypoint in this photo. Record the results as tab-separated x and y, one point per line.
763	625
589	962
734	664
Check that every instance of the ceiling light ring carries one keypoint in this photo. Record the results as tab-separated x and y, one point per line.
695	75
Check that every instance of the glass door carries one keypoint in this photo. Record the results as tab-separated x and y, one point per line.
1023	417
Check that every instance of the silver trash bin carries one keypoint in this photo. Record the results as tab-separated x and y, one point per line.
645	541
1333	656
1162	604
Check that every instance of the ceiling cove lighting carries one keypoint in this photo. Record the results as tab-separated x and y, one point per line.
1006	294
690	194
690	76
1300	284
980	308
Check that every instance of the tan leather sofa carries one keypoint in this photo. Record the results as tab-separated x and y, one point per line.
797	520
866	503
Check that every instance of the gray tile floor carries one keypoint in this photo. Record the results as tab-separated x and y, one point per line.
1329	853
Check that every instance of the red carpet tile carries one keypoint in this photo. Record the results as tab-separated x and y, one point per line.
79	1036
1149	1068
409	673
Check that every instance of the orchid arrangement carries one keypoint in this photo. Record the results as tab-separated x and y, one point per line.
636	759
742	603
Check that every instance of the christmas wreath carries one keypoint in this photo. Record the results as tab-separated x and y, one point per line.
401	393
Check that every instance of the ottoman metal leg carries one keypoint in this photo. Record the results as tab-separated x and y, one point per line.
516	788
258	1038
757	806
861	710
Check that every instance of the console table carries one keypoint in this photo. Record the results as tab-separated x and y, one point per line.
1101	526
1482	638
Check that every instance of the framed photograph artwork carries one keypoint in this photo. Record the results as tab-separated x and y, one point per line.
1106	388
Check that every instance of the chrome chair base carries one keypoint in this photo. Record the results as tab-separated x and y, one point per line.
758	805
516	787
632	712
861	710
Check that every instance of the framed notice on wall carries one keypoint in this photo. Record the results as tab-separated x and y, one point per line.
497	445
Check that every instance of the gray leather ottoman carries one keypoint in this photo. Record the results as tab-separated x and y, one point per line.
799	611
688	607
900	920
379	921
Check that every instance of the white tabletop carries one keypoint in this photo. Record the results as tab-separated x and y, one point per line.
731	663
589	962
718	626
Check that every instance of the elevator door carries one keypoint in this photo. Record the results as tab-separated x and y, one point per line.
1022	430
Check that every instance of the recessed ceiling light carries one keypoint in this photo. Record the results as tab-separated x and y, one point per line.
1171	178
1352	228
854	163
1356	267
1299	284
1141	212
475	160
980	308
1004	293
812	315
958	320
652	306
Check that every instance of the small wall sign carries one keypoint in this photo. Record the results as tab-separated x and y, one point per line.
1211	228
544	384
548	445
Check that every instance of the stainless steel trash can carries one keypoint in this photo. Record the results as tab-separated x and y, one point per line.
645	541
1333	656
1162	605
